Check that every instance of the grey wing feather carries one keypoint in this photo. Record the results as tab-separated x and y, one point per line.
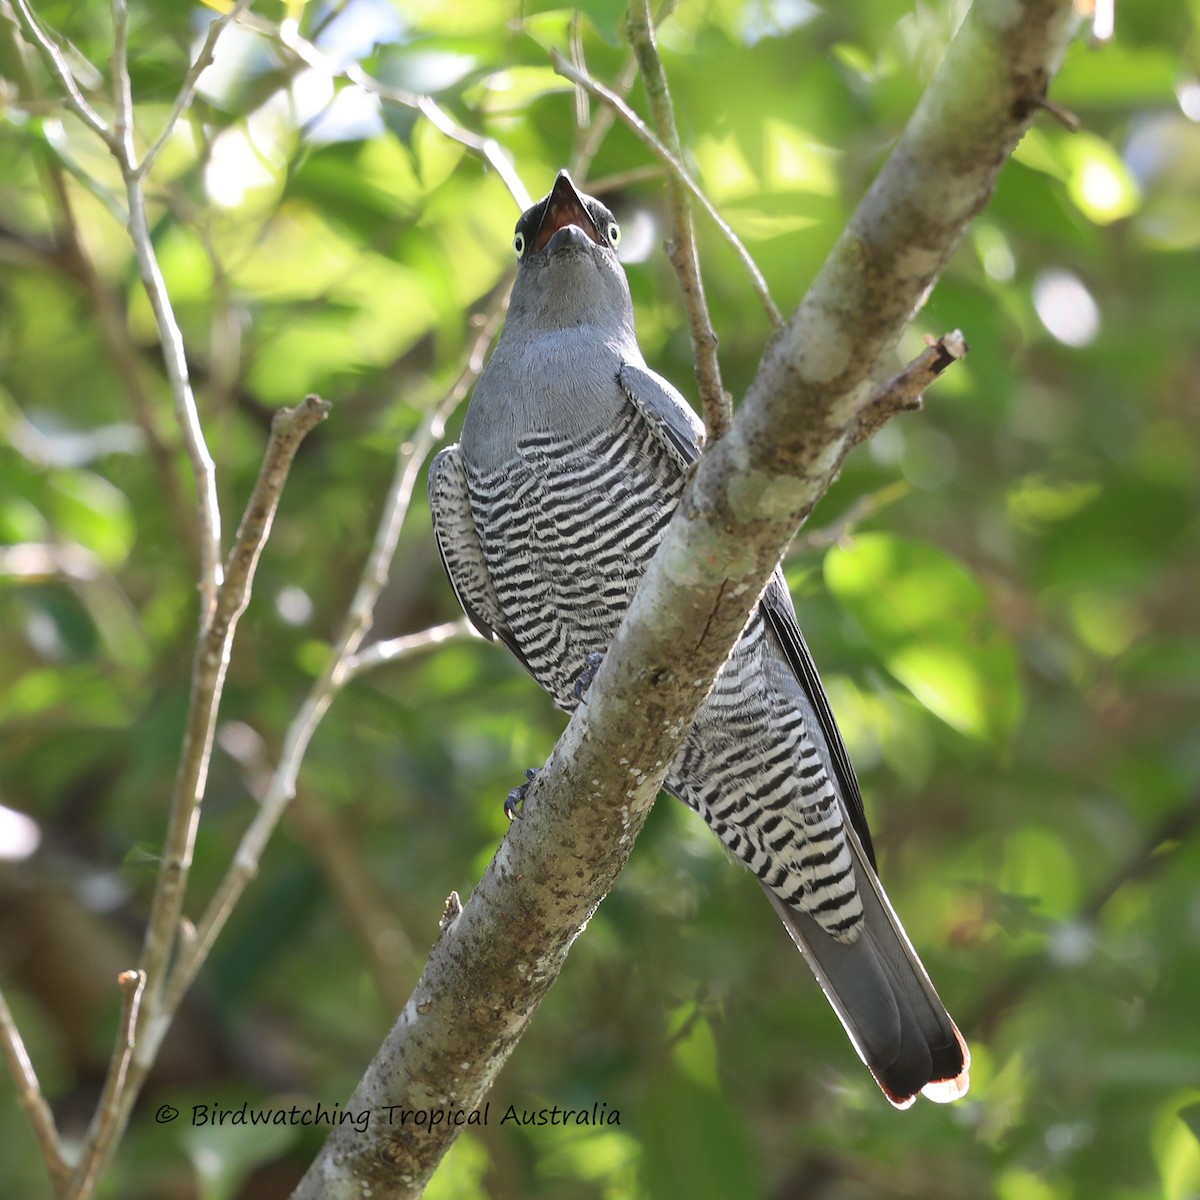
461	551
666	409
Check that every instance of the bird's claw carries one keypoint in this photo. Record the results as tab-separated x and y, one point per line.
515	798
584	680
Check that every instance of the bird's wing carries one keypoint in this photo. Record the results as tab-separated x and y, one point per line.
776	606
667	410
461	551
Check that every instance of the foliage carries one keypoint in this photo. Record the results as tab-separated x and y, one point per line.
1009	639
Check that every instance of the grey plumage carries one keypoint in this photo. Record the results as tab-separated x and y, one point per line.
572	459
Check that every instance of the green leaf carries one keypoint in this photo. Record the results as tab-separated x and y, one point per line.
607	16
695	1143
461	1174
1117	75
1177	1150
94	513
1100	183
928	619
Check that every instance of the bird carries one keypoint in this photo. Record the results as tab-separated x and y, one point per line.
571	461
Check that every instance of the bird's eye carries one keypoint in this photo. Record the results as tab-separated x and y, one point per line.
614	234
519	243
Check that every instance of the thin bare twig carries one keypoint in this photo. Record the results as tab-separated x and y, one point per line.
220	605
715	402
583	116
648	138
602	120
861	510
187	92
355	627
1064	116
600	123
119	140
378	653
364	908
61	70
622	179
122	86
30	1097
486	148
114	332
288	429
904	391
357	623
175	360
1174	829
105	1128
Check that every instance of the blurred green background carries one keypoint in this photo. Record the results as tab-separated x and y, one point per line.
1007	623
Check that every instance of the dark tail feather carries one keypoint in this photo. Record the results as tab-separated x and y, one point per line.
884	998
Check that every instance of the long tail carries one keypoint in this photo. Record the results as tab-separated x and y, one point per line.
883	996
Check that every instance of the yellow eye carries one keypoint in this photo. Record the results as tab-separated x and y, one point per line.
614	234
519	244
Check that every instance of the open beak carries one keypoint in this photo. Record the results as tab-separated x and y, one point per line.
563	209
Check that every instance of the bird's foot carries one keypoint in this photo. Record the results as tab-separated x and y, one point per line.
515	798
585	677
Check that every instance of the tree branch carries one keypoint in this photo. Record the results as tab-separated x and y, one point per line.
288	429
187	92
646	136
357	624
105	1127
186	413
74	258
61	70
119	138
601	123
31	1099
491	966
378	653
1025	973
905	390
484	147
716	404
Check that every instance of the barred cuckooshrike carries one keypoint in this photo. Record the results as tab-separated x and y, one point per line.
572	459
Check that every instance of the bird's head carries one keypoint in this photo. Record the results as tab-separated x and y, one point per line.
567	268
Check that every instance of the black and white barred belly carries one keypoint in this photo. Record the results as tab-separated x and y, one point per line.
751	768
567	531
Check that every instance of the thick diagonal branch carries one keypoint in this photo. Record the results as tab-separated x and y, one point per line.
494	962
